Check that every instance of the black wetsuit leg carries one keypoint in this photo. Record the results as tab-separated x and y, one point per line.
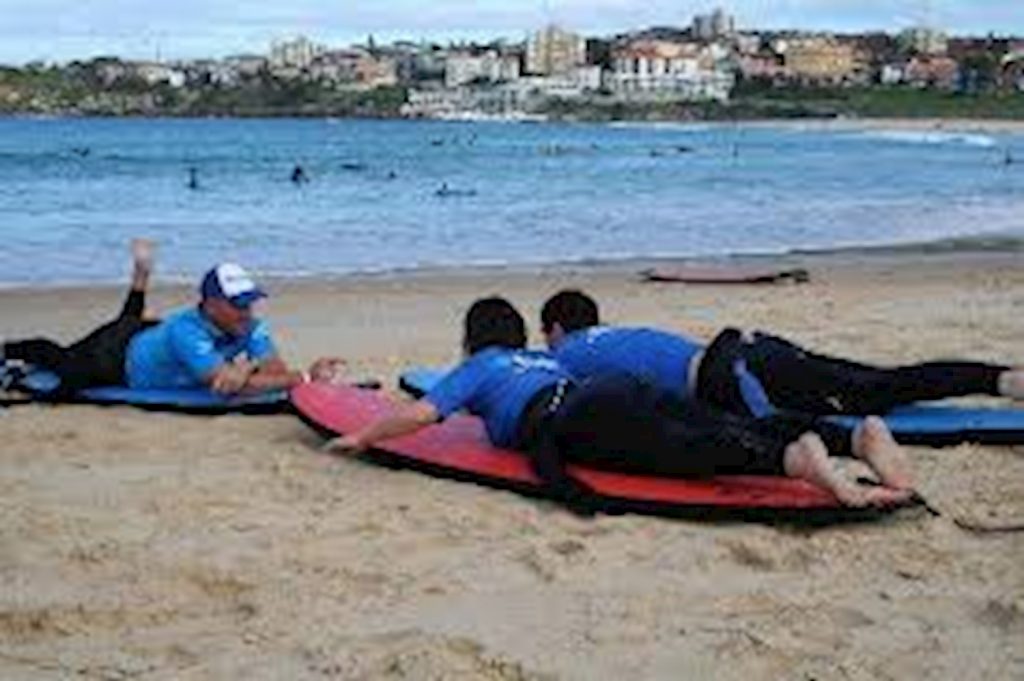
622	424
98	359
797	379
40	352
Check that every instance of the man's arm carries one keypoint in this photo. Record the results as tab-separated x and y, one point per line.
247	378
408	419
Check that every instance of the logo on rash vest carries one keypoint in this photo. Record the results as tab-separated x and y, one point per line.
524	363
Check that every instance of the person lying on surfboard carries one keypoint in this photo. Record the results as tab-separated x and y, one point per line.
219	343
754	374
530	402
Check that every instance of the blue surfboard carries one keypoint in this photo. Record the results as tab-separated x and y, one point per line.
932	424
41	385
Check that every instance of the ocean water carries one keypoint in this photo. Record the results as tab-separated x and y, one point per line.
74	191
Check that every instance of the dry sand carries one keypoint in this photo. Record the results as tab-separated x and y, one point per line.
149	546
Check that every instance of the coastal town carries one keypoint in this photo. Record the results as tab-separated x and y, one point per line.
710	61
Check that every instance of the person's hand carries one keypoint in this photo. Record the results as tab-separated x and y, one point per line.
326	369
231	378
346	444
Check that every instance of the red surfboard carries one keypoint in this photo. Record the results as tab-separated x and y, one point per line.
459	448
724	275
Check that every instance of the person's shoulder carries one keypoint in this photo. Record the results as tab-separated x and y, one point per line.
187	321
485	357
601	332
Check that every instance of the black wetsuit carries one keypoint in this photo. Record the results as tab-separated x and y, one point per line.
620	423
96	360
795	378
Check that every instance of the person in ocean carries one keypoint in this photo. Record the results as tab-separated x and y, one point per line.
299	175
193	178
530	402
218	343
755	374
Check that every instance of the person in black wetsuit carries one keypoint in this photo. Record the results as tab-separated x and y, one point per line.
529	402
754	374
97	359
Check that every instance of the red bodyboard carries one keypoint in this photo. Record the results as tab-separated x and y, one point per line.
723	275
459	446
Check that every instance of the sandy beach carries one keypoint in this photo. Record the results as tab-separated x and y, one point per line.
137	545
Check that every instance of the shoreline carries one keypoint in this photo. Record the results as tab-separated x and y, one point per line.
841	123
997	247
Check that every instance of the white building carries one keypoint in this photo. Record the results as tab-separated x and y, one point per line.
662	70
155	74
570	85
492	67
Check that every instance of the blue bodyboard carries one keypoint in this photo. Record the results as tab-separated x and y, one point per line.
42	386
932	424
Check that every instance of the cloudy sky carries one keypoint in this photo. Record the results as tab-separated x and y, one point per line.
58	30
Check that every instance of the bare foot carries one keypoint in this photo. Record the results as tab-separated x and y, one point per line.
807	459
142	254
1011	384
873	442
887	496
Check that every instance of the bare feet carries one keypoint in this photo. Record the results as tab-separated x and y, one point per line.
142	254
1011	384
874	444
807	459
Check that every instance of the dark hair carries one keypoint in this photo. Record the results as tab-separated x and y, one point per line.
493	321
571	309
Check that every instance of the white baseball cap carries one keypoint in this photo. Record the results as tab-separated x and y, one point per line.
232	283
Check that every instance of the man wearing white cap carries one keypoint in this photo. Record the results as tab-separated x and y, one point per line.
218	344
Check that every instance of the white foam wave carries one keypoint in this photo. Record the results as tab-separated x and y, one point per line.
933	137
674	126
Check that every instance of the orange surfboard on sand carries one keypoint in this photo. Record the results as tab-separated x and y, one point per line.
725	274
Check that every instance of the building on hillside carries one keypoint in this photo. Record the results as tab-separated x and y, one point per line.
936	72
246	65
924	40
353	66
662	70
1012	68
713	26
298	53
464	68
554	51
820	60
153	73
764	66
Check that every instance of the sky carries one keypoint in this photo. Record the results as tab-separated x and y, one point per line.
61	30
